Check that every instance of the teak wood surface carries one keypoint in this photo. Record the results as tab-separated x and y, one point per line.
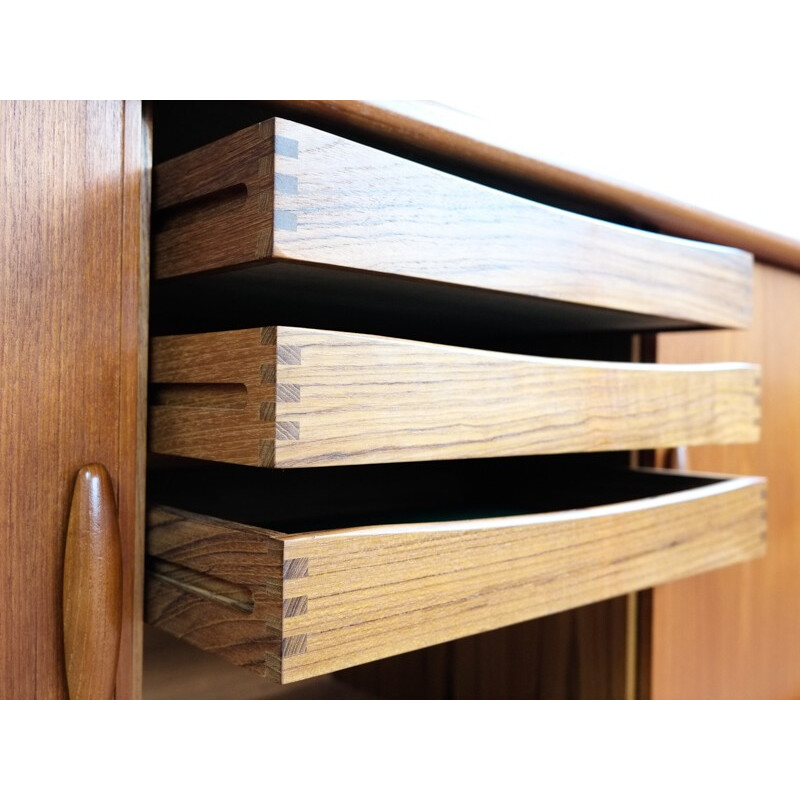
573	655
73	284
281	191
291	397
294	606
733	634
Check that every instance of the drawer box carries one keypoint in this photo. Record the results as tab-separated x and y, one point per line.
285	193
315	598
293	397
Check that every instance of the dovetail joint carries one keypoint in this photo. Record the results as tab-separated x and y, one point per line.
284	220
266	452
284	146
294	645
287	430
295	606
287	392
286	184
264	244
268	335
295	568
288	354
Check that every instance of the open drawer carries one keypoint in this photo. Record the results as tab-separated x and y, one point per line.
335	578
284	194
295	397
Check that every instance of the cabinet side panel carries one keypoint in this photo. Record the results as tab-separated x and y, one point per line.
61	296
733	633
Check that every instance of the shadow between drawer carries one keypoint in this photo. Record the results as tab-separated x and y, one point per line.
294	605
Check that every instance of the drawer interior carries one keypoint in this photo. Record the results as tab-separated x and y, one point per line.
318	580
294	501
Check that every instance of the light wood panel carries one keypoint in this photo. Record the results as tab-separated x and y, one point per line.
461	142
327	600
70	322
734	633
283	191
290	397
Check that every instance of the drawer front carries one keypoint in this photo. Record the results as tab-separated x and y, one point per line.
284	192
291	397
291	606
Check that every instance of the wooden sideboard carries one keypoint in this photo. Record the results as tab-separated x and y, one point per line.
75	276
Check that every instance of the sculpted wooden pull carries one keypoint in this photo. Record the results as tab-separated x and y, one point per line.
92	606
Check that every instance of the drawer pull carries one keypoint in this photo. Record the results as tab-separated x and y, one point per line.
92	590
191	582
201	395
196	208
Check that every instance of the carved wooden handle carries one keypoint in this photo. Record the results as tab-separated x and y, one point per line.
92	587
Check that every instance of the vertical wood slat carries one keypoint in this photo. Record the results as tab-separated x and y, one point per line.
733	634
135	277
63	295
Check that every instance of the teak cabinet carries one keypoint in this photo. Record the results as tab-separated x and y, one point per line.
75	277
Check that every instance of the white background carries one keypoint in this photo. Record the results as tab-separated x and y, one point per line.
695	100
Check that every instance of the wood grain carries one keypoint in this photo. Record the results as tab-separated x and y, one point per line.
454	140
575	655
326	600
734	633
280	191
92	588
290	397
64	293
424	674
135	285
174	670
